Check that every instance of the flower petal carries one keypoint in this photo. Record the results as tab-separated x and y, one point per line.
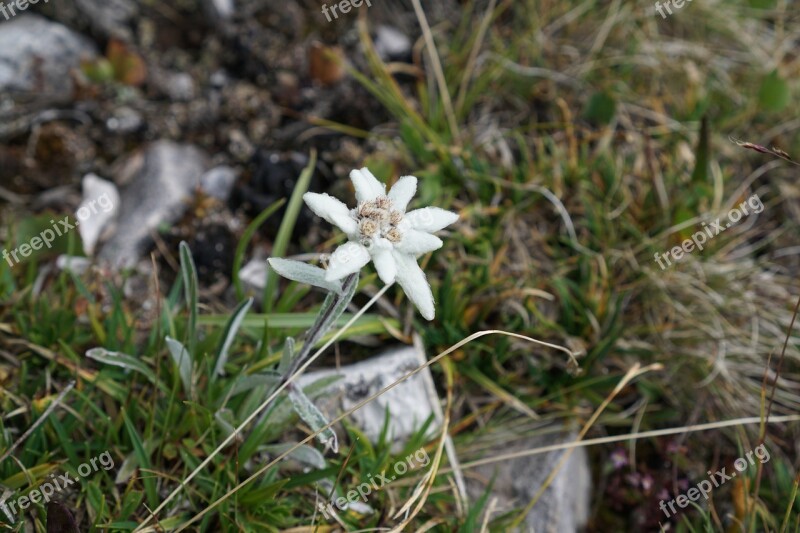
332	210
384	261
347	259
418	242
430	219
366	185
414	284
402	192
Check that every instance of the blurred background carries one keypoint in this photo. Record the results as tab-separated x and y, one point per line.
577	141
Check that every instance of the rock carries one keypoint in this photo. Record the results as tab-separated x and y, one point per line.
124	120
70	263
219	12
99	207
392	44
109	16
177	86
218	182
37	55
409	404
254	277
564	505
157	185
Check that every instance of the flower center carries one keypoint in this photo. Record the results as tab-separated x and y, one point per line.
378	218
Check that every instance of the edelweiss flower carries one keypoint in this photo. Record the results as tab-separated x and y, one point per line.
380	229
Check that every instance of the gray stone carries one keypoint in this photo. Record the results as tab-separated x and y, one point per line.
177	86
564	505
219	12
125	120
37	55
101	202
253	276
391	44
409	404
109	16
157	185
218	182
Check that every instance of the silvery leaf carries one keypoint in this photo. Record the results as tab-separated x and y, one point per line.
312	416
304	273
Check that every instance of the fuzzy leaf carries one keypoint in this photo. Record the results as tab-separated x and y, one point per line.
231	329
288	355
122	360
312	416
246	383
304	454
183	362
304	273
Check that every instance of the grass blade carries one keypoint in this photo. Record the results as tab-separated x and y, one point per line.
287	226
231	329
189	275
247	236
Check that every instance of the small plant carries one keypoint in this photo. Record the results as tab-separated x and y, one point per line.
378	229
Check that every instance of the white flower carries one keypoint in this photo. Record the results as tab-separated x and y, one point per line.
380	229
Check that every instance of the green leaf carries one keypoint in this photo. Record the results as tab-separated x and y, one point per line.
246	383
600	109
144	461
304	453
312	416
189	275
231	329
288	355
775	93
183	363
247	236
287	226
121	360
304	273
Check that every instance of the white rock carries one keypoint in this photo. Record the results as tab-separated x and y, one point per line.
38	55
157	185
253	275
218	182
409	404
98	209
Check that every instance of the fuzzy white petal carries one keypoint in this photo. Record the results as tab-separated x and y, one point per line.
418	242
347	259
430	219
385	264
402	192
332	210
414	284
366	185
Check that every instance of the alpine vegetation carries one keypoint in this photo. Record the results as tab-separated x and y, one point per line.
378	229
